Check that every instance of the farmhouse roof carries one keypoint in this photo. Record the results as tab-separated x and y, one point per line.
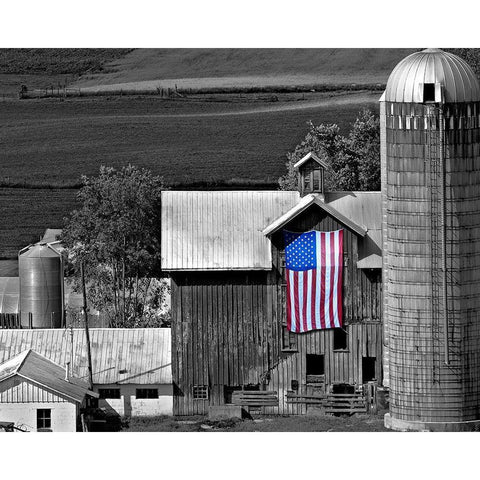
220	230
38	369
306	202
9	294
119	355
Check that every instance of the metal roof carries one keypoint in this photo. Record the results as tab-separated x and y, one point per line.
142	354
307	201
45	373
405	84
220	230
366	209
51	235
308	156
9	294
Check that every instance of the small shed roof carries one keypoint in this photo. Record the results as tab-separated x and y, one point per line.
51	235
220	230
119	355
45	373
307	201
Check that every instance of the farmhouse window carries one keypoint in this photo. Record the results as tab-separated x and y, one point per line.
289	340
200	392
44	418
109	392
315	364
146	393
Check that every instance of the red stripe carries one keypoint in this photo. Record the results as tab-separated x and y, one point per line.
305	306
313	290
322	281
289	316
296	301
340	278
332	276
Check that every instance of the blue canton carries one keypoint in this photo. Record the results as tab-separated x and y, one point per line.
300	250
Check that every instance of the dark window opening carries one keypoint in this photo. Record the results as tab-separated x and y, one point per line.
340	339
228	391
294	385
428	92
315	364
44	418
146	393
200	392
289	340
343	388
109	392
368	369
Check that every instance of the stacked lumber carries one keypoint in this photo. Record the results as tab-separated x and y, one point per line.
255	398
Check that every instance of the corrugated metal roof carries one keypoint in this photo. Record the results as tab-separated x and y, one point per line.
366	209
220	230
144	353
303	204
9	294
405	84
42	371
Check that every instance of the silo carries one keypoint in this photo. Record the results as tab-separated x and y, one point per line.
430	144
40	268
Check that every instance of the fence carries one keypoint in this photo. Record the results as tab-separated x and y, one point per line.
10	320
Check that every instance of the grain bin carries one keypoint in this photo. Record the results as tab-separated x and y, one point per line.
40	269
430	150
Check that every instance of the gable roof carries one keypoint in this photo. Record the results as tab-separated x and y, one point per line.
220	230
45	373
306	202
142	354
312	156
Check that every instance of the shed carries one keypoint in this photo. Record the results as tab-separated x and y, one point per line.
38	394
131	366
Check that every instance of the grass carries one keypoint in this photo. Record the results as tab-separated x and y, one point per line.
216	142
355	423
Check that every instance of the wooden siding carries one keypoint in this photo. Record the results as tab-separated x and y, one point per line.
18	390
219	230
227	329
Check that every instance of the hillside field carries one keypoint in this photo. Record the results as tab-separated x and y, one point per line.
214	142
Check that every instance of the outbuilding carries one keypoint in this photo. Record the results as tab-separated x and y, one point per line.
37	394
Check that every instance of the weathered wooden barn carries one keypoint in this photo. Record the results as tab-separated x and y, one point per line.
131	366
37	394
224	252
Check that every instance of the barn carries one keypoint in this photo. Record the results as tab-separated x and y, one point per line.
131	367
225	255
39	395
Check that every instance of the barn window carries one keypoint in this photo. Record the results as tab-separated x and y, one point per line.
146	393
315	364
44	418
340	339
109	392
200	392
289	340
368	369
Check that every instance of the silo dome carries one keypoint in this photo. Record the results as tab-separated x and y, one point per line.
451	79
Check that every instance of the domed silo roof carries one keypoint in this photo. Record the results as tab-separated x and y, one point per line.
432	66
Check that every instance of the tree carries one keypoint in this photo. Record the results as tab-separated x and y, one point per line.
354	160
116	235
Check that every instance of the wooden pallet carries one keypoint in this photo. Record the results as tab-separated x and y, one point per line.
255	398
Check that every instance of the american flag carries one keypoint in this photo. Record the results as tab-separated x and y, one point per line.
314	265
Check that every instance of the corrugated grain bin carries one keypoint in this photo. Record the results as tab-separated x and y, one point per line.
41	286
430	145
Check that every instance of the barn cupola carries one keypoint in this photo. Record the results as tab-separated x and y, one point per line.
311	174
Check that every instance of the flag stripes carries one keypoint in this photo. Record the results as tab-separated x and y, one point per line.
314	295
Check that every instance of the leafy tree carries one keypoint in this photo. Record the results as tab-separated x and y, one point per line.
354	159
115	234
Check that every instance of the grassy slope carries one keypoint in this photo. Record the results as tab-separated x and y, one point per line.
53	143
288	66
